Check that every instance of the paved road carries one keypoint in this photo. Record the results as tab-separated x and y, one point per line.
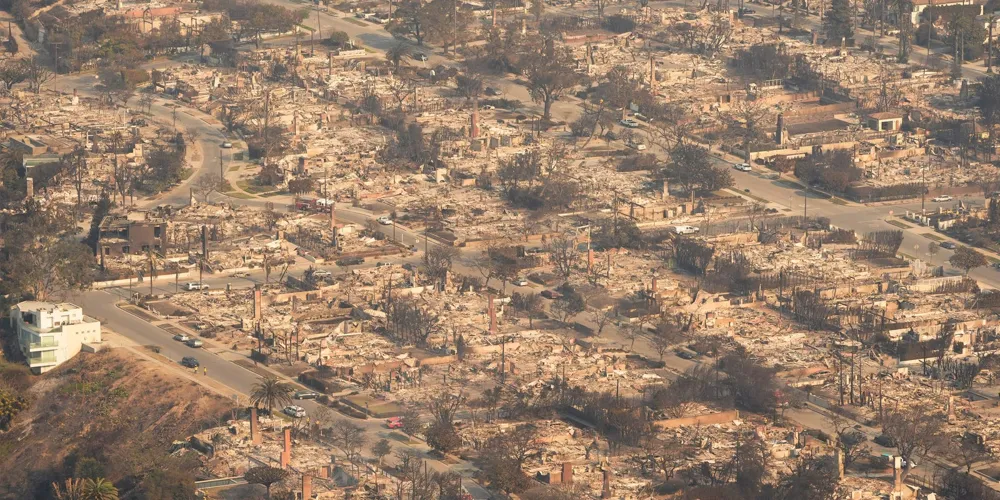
208	137
221	368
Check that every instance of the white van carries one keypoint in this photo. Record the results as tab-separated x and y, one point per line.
685	229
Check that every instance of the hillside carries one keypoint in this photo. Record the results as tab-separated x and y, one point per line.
113	414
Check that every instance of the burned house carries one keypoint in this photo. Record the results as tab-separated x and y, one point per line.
132	234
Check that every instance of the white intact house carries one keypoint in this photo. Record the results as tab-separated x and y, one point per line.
51	334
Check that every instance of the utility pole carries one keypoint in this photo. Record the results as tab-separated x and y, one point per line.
989	46
930	30
923	190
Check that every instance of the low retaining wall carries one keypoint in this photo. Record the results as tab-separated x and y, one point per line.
713	418
98	285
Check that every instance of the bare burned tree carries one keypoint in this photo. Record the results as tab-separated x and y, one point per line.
915	432
746	120
562	251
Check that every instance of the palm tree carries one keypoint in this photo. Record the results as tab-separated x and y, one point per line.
270	392
72	489
266	476
99	489
153	260
396	54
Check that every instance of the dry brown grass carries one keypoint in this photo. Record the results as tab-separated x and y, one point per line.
114	407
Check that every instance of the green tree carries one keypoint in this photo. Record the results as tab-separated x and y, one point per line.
266	476
408	20
396	54
88	468
967	259
99	489
838	23
381	449
442	437
988	100
11	404
269	393
569	304
691	167
550	72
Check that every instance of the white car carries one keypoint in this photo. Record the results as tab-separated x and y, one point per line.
941	198
638	146
227	145
195	286
630	123
322	273
324	202
385	221
742	167
295	411
685	229
240	274
520	282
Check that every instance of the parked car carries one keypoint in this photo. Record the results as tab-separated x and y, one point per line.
685	229
949	245
420	56
190	362
195	286
394	422
350	261
942	198
520	282
637	145
240	274
384	220
294	411
885	440
322	273
630	123
180	337
551	294
227	145
685	353
490	91
305	395
743	167
194	343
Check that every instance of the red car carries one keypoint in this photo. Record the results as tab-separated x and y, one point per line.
394	422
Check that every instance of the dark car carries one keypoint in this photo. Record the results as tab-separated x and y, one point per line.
884	440
551	294
305	395
949	245
190	362
350	261
492	91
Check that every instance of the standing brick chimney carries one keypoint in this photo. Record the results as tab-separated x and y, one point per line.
257	302
254	427
474	121
30	191
567	473
493	315
307	485
606	490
